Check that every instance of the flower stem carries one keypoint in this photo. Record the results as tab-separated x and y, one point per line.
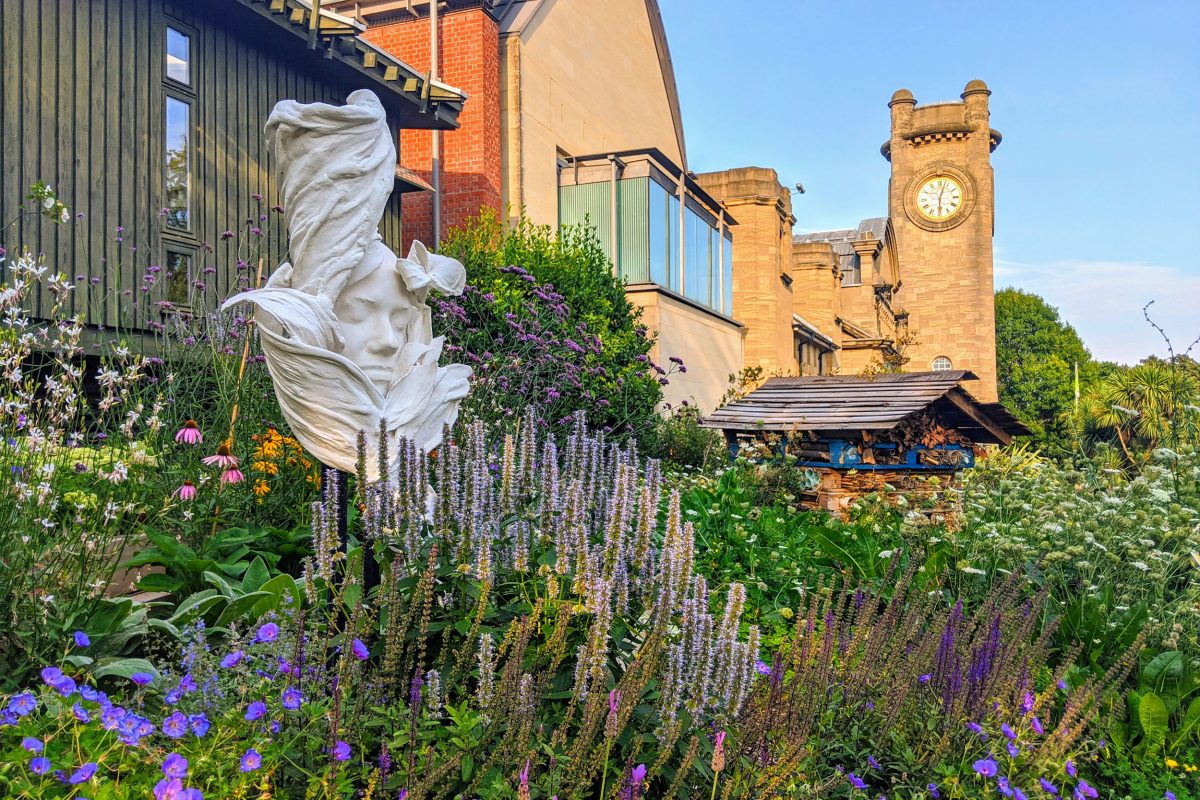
604	771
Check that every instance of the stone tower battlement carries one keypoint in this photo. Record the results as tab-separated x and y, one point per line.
942	121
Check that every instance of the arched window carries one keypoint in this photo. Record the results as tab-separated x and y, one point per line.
941	364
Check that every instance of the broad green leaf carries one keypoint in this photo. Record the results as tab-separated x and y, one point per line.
256	575
192	609
160	582
1152	713
123	667
241	606
1166	666
1188	728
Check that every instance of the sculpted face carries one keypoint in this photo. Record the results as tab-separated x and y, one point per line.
378	315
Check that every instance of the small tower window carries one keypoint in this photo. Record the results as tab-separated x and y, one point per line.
942	364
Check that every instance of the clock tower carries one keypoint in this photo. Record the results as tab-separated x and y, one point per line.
941	203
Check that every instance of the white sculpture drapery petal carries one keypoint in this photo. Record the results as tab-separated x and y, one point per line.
344	325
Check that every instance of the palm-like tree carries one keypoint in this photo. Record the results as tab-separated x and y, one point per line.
1145	406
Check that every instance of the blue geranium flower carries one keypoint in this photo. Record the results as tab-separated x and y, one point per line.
175	766
292	698
32	745
233	659
256	710
341	751
360	650
175	725
81	639
22	704
83	774
986	767
142	678
251	761
269	632
39	765
199	724
80	713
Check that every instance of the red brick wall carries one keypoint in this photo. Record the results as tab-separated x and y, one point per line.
469	56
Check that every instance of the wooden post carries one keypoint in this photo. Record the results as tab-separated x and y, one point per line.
331	479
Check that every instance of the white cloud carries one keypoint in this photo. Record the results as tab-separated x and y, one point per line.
1104	300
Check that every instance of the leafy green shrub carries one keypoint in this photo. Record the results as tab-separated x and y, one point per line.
543	322
678	440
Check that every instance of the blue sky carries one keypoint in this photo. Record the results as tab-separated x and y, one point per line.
1098	176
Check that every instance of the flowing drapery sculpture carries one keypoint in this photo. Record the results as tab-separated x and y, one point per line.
344	324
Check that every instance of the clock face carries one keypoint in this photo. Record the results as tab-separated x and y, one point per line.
939	198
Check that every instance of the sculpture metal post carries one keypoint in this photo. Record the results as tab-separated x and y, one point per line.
344	323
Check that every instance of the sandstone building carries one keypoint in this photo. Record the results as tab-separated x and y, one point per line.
573	118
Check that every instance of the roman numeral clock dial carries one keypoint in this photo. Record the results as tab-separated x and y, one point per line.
939	198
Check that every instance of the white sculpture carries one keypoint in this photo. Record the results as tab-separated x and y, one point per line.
344	325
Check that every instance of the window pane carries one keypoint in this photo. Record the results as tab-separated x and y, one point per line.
853	275
179	276
727	285
697	277
673	265
178	198
659	225
178	63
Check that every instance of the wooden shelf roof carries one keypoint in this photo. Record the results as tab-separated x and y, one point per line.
844	404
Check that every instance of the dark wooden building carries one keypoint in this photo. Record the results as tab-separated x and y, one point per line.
146	119
911	431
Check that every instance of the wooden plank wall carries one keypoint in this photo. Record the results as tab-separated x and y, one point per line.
82	109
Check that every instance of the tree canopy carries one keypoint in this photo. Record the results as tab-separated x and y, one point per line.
1036	354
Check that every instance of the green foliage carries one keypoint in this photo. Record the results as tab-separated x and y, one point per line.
232	552
679	441
1036	355
544	322
1144	407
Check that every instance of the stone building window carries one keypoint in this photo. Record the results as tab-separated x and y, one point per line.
853	276
942	364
